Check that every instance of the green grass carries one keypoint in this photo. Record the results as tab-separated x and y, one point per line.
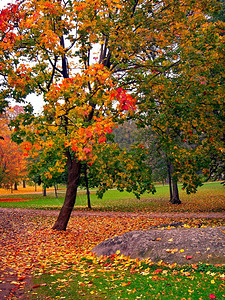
210	197
146	282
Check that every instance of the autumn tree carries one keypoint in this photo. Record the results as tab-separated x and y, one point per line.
48	49
181	96
12	161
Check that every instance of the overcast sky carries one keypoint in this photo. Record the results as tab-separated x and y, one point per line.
4	2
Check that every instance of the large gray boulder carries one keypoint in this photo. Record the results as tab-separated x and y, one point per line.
179	245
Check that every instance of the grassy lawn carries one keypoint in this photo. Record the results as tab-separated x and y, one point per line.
123	281
210	197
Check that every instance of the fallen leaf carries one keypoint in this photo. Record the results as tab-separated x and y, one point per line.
171	250
157	271
125	284
16	282
189	257
21	278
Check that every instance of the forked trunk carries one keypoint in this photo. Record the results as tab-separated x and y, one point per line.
74	169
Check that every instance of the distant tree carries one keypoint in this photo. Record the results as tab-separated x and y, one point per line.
125	135
12	160
121	169
184	105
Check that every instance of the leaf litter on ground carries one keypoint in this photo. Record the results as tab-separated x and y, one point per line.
31	247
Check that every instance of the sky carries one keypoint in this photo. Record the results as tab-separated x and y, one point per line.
4	2
36	101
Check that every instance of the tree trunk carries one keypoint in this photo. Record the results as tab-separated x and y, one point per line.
74	170
174	193
170	179
56	194
87	187
175	197
44	191
24	184
15	186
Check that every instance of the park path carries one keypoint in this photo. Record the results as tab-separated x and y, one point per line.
204	215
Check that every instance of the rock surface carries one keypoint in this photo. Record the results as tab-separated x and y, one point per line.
179	245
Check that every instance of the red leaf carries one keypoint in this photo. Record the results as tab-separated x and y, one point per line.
212	296
21	278
87	150
36	286
102	139
189	257
158	271
74	148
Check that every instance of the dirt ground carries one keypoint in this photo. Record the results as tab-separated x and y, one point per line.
15	221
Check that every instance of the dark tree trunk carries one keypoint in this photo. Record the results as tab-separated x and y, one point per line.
175	197
87	187
74	170
56	194
170	179
44	191
174	192
24	184
15	187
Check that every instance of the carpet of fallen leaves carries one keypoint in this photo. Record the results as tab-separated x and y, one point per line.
28	244
21	190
